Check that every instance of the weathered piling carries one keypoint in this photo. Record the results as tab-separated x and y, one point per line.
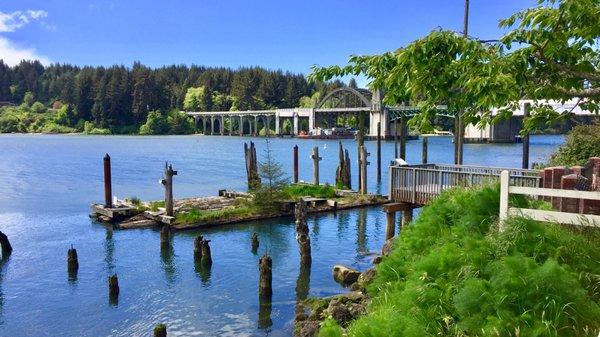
107	182
6	247
403	137
167	181
378	151
315	157
342	174
302	232
363	169
265	267
296	164
265	307
255	243
72	261
113	287
160	330
206	259
525	138
165	237
424	149
198	248
360	141
251	166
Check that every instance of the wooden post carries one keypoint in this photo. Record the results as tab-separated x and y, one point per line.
315	157
265	266
378	151
504	186
167	181
342	174
459	138
390	225
403	137
407	216
198	248
6	247
525	162
107	183
363	169
160	330
424	150
302	232
206	260
251	166
360	137
295	164
113	287
255	243
72	261
395	138
348	173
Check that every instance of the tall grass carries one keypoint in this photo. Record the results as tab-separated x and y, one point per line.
452	273
303	190
200	216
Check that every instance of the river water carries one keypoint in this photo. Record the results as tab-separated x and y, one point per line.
48	181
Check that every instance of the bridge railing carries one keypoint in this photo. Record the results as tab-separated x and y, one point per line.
417	184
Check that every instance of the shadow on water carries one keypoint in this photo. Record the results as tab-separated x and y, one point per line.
166	256
342	223
3	265
109	250
361	231
303	282
203	272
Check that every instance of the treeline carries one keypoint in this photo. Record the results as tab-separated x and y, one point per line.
120	98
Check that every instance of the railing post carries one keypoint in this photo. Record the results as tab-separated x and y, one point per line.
504	186
390	181
414	186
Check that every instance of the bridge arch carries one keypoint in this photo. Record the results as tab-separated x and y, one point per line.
347	97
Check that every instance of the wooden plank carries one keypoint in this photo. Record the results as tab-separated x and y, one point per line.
395	207
554	216
551	192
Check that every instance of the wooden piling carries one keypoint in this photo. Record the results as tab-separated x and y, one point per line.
113	287
296	164
251	166
5	243
302	232
390	225
407	216
403	137
206	260
342	174
360	141
167	181
363	169
378	151
395	138
424	149
265	266
72	261
198	248
160	330
255	242
315	157
107	182
348	173
525	138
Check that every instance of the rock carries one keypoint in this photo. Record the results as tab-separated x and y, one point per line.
307	328
355	286
377	260
366	277
340	312
387	247
344	275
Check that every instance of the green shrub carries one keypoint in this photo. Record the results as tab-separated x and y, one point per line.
156	124
452	273
52	127
582	143
180	123
330	328
199	216
38	108
301	190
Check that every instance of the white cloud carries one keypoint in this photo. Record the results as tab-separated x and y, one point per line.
12	54
9	22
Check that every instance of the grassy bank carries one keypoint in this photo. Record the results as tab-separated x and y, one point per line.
452	273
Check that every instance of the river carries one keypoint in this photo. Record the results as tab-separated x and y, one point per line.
47	183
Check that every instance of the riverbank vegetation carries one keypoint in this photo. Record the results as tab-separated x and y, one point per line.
582	143
452	273
120	99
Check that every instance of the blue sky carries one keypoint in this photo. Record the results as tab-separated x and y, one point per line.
288	35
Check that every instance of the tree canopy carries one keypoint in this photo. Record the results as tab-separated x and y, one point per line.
550	52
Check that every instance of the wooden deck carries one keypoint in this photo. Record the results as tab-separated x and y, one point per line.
417	184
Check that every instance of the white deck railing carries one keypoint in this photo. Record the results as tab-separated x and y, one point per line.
540	215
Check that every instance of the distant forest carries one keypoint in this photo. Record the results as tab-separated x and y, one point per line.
120	97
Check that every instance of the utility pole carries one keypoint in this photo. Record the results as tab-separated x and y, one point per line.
460	127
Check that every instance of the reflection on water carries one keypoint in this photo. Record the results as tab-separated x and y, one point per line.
172	288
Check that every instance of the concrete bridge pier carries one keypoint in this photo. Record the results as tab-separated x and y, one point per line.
295	124
222	126
277	126
241	126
